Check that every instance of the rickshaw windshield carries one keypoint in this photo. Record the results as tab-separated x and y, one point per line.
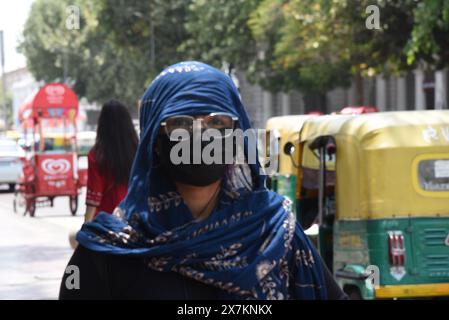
57	144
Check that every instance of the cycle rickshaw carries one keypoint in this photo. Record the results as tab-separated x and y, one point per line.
49	170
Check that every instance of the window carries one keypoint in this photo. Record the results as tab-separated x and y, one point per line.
433	174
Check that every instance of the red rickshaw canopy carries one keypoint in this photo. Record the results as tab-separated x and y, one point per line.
358	110
54	100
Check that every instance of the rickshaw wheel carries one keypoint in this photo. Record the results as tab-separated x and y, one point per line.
354	293
18	202
14	202
32	207
73	205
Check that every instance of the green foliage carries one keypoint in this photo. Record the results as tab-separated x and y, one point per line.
311	45
51	48
218	32
127	24
429	40
323	43
109	57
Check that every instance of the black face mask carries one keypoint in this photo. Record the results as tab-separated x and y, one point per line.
200	175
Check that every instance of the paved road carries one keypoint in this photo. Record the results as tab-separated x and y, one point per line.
35	251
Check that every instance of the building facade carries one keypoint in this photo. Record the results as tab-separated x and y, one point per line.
415	90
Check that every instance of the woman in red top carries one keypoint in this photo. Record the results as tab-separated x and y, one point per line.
110	160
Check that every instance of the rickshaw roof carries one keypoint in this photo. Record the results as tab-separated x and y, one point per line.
384	129
288	124
288	128
53	100
378	161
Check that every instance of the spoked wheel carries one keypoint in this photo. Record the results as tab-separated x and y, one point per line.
14	202
19	202
73	204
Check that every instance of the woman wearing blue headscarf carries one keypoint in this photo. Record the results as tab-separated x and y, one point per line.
201	230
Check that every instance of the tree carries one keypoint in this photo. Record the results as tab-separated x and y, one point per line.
310	45
157	23
325	43
55	53
429	39
218	32
103	60
322	44
6	106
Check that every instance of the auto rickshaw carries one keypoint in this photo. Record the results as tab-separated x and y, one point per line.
283	179
50	167
380	184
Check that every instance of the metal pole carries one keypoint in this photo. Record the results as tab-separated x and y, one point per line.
321	186
2	53
66	66
152	45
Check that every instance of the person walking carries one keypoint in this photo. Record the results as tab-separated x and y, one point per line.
109	162
196	230
110	159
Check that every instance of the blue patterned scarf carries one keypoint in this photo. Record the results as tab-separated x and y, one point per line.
250	246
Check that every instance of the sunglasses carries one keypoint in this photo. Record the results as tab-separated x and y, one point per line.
223	122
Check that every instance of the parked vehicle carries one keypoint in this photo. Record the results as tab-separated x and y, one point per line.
378	187
51	167
283	178
383	200
11	157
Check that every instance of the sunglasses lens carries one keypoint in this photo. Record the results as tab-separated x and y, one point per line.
179	122
219	121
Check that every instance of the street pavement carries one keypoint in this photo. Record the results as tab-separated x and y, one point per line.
34	251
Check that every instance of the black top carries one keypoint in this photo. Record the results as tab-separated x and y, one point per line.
103	276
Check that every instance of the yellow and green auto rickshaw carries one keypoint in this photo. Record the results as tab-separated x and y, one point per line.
283	177
379	187
383	200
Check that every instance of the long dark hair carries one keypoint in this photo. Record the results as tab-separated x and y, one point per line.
116	141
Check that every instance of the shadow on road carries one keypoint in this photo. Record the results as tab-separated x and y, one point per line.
5	191
48	216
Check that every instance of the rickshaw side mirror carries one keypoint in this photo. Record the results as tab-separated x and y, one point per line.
326	142
289	148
